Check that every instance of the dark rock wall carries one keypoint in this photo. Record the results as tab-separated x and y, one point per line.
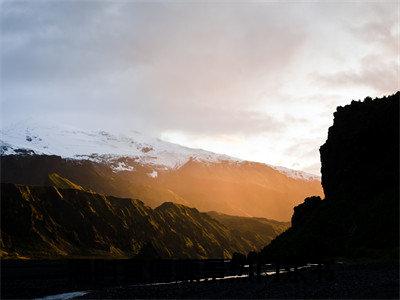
361	155
360	176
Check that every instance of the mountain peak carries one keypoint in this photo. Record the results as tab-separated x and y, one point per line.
70	142
175	207
34	137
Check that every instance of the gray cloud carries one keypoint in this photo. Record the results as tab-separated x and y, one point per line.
206	69
378	70
376	73
175	66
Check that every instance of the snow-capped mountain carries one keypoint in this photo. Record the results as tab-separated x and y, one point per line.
70	142
101	146
136	166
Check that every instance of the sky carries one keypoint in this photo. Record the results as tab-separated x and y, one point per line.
257	80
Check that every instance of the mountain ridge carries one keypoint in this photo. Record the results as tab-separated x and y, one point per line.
247	189
32	137
51	222
151	170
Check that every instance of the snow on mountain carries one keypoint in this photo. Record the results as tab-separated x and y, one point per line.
153	174
295	173
68	142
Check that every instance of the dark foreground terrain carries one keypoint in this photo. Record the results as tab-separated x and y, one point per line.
21	279
361	281
187	279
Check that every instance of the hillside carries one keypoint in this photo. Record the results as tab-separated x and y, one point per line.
255	230
360	176
48	222
152	170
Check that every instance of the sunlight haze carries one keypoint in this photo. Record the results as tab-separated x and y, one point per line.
258	81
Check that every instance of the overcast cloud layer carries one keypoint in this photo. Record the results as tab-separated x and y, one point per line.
254	80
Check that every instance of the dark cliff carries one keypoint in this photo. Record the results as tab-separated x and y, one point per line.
360	175
361	155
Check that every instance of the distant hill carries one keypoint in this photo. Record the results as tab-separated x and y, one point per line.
136	166
360	176
257	231
50	222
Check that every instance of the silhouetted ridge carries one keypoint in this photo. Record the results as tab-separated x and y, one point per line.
48	222
303	212
255	230
360	177
233	188
171	206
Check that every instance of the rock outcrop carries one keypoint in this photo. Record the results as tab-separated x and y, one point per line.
360	176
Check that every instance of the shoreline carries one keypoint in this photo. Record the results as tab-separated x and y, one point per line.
361	281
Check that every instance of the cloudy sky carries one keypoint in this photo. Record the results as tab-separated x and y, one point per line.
256	80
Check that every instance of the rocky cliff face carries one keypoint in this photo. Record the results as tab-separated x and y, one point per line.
360	177
49	222
361	155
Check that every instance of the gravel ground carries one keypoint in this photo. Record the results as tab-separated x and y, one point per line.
344	281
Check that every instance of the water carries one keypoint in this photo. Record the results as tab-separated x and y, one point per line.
71	295
64	296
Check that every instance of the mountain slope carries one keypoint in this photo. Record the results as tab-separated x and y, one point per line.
257	231
62	183
32	136
360	176
53	222
246	189
151	170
